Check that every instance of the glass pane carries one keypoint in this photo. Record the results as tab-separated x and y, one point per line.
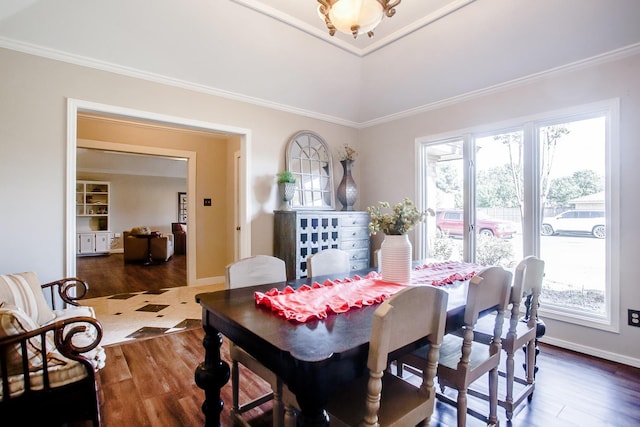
444	193
499	199
573	241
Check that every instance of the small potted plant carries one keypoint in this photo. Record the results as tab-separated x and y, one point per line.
396	248
286	188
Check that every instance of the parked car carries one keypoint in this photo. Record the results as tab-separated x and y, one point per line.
450	222
576	221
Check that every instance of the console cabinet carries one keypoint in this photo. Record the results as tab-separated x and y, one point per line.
93	243
92	217
300	233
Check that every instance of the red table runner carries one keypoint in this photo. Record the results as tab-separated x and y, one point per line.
444	273
339	296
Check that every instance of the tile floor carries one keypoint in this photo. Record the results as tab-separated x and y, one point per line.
146	314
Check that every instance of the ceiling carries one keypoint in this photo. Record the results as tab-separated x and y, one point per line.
278	53
117	163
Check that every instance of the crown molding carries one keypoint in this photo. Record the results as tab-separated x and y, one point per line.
131	72
603	58
97	64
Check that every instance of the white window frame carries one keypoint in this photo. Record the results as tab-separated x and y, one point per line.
530	125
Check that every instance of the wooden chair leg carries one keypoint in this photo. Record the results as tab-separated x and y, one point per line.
278	406
235	388
510	374
493	397
462	408
289	416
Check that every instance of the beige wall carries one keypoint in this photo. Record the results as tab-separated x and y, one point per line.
33	157
390	147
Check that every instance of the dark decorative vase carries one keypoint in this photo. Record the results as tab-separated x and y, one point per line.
347	191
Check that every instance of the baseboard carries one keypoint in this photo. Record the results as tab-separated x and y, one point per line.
117	251
209	281
596	352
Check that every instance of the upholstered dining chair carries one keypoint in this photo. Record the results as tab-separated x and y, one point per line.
463	360
517	333
381	398
251	271
328	261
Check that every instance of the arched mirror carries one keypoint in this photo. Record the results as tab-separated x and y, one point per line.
309	159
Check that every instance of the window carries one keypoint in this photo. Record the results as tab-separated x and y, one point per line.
543	186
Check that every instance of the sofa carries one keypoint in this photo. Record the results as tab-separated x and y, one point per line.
136	248
49	352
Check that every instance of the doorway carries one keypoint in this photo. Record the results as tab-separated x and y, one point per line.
76	107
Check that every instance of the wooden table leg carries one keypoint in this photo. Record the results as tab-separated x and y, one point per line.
211	375
311	392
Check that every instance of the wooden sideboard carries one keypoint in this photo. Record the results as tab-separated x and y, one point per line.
300	233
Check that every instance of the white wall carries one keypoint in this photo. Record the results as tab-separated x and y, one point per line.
388	151
141	200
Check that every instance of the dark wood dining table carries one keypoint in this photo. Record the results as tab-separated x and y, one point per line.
312	358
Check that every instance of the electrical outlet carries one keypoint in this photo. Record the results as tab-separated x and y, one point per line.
634	318
207	202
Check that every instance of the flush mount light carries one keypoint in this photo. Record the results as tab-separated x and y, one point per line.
355	16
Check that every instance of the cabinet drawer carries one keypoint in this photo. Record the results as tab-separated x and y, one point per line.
355	221
359	265
352	233
358	254
354	244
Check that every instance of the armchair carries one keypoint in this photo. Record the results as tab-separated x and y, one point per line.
159	248
48	357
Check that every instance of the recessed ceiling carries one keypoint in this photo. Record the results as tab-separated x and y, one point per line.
410	16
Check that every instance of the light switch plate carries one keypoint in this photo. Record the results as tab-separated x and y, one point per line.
634	318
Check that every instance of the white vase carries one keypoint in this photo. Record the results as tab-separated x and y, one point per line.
396	258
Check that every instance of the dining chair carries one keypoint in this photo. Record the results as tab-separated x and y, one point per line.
382	398
517	333
251	271
463	360
328	261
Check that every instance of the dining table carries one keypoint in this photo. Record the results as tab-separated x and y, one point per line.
313	357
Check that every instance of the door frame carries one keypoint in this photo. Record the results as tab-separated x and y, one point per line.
243	243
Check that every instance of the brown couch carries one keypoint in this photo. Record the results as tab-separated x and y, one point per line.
136	249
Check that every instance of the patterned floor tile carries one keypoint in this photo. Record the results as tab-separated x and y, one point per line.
142	314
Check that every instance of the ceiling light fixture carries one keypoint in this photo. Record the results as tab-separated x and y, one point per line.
355	16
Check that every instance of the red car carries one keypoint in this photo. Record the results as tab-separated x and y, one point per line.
450	223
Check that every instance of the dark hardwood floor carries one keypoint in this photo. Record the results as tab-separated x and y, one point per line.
109	275
150	382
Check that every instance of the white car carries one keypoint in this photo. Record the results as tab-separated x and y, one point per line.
576	221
